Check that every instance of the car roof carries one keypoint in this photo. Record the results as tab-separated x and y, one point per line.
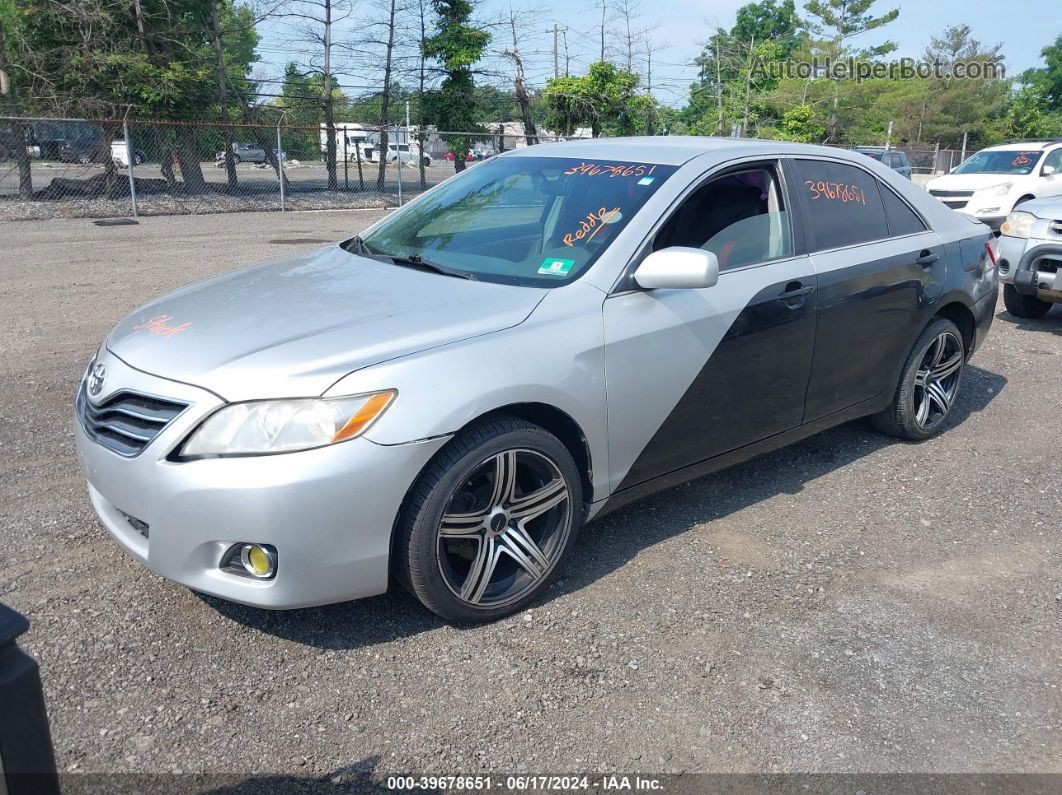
673	150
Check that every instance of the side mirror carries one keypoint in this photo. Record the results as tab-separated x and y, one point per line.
1049	171
679	268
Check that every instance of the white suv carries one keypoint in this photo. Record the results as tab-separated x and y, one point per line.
991	183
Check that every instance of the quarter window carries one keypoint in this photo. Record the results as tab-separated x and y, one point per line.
902	219
740	217
844	205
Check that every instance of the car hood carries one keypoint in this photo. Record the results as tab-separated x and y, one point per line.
1050	207
295	326
970	181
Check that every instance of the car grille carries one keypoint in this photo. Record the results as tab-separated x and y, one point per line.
126	422
955	199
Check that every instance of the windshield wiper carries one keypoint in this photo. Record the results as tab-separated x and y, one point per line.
357	246
417	261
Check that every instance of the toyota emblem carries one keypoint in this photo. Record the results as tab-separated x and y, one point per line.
95	379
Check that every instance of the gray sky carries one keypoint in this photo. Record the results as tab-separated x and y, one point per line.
1023	26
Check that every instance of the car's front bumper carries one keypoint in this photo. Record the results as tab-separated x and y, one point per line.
328	512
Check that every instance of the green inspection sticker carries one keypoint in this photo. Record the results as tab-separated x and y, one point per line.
555	267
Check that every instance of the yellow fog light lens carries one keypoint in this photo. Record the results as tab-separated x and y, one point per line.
259	561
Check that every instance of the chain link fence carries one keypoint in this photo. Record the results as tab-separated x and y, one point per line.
113	168
107	168
926	162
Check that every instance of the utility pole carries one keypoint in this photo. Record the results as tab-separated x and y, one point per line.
604	9
556	59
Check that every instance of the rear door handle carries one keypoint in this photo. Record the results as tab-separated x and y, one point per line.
795	290
927	258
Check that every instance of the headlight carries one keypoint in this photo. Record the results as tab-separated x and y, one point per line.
1002	189
1018	224
283	426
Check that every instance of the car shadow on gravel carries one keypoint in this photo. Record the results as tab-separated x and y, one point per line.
396	614
359	777
1051	322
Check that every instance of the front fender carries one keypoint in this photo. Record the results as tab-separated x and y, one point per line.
554	357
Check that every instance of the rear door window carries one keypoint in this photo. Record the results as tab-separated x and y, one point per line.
844	205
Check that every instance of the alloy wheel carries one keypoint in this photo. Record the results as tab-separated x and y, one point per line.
937	379
504	528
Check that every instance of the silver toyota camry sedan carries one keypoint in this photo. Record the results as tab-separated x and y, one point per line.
444	400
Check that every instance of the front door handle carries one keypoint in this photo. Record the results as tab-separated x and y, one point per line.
927	258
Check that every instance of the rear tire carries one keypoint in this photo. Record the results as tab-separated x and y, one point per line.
1024	306
929	384
490	521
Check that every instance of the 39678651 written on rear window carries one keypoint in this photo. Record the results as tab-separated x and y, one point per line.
835	191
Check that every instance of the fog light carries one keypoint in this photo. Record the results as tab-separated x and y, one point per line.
259	561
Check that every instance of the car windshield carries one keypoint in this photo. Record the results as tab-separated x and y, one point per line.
871	153
521	220
1007	161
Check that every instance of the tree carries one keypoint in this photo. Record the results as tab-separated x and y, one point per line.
168	59
798	124
457	45
769	20
837	22
1035	110
317	20
1027	115
517	24
301	100
605	100
732	85
1046	82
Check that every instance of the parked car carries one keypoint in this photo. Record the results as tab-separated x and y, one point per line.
120	155
244	153
84	151
468	157
896	159
425	403
406	154
992	182
1030	258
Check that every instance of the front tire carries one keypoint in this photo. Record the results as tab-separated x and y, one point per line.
1027	307
490	521
929	384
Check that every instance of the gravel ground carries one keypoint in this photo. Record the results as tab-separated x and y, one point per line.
847	604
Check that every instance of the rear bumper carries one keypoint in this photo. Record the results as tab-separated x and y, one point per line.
984	312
